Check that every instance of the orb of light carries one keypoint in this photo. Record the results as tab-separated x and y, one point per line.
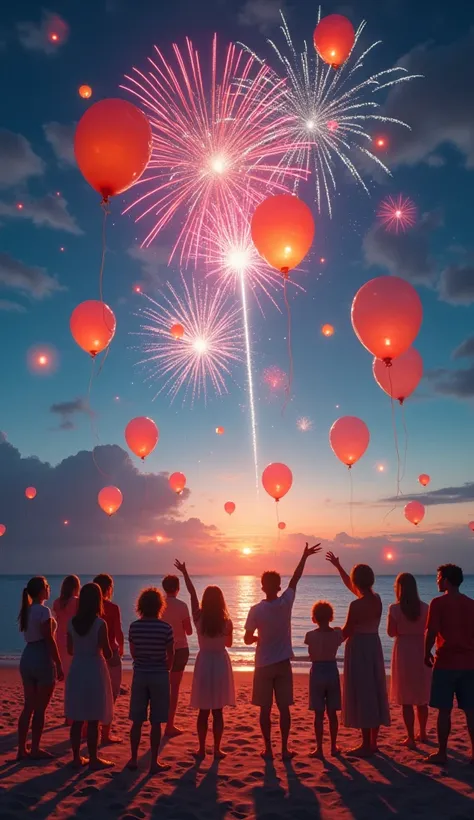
247	551
218	164
85	91
310	125
200	346
327	330
238	259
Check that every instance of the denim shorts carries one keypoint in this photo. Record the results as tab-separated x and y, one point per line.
324	686
36	665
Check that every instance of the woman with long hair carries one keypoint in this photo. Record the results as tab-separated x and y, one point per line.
40	665
64	608
213	680
88	689
410	677
365	702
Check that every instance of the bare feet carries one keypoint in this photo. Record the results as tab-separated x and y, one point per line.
422	738
109	739
200	754
267	754
409	742
437	758
132	765
157	768
317	753
173	731
335	751
79	762
287	755
218	755
361	751
100	763
41	754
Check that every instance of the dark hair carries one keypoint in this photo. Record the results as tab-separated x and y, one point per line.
150	603
406	591
170	583
362	577
214	613
105	582
69	587
271	581
90	607
451	573
32	590
323	612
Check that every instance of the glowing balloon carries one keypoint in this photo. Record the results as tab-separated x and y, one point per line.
403	377
141	435
349	438
327	330
177	482
30	492
229	507
414	512
333	38
177	331
424	479
277	480
386	316
112	145
282	231
92	326
281	525
110	499
3	529
85	91
471	525
220	431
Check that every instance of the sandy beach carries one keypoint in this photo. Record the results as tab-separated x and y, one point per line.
394	784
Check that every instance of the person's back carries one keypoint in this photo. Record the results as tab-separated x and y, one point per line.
272	620
88	644
150	638
176	614
367	612
453	618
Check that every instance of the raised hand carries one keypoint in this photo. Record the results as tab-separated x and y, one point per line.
311	550
333	560
181	567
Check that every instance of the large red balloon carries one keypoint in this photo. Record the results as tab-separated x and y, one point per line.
177	331
30	492
92	326
414	512
3	529
177	482
349	438
334	38
386	316
229	507
110	499
403	377
112	146
277	480
141	435
424	479
282	231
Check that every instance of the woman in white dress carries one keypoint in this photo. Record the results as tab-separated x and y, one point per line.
213	680
89	696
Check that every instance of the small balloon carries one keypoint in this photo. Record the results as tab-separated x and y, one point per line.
414	512
30	492
92	326
177	331
282	229
401	379
327	330
141	435
177	482
424	479
349	438
3	529
85	91
220	431
110	499
281	525
229	507
334	37
277	480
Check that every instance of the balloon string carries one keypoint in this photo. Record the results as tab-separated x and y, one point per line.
397	450
105	208
351	501
405	430
290	353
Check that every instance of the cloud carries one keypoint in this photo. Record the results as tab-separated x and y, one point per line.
67	410
153	263
458	383
61	139
465	349
456	284
445	495
262	14
11	307
46	36
440	108
18	161
50	211
27	279
404	254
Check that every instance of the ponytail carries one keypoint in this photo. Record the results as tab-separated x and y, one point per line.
25	605
32	590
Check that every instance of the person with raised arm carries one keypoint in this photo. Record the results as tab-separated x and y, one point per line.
268	625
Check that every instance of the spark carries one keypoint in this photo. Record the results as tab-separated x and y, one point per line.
304	424
42	359
215	138
275	379
397	214
211	344
380	468
329	112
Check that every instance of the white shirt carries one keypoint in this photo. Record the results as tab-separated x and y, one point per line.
174	614
272	620
38	614
323	645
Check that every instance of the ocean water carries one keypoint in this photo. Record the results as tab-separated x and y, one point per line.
240	592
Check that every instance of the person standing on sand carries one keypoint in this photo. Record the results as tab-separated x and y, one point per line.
451	625
271	619
410	678
40	666
64	608
176	614
113	619
364	702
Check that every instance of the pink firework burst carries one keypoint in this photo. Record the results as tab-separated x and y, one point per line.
213	143
276	379
397	214
304	424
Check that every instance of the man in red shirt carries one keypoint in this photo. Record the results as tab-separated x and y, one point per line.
113	619
451	625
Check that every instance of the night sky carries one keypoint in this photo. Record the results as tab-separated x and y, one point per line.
50	259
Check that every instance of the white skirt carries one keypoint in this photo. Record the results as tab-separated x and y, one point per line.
213	681
88	690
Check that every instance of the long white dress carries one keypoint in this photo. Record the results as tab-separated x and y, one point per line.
88	688
213	680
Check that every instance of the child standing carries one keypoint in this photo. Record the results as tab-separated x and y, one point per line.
324	684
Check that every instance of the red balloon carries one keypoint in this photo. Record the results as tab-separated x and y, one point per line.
141	435
3	529
349	438
424	479
282	231
414	512
177	331
277	480
403	377
334	37
229	507
92	326
471	525
177	482
281	525
386	316
112	145
220	431
110	500
30	492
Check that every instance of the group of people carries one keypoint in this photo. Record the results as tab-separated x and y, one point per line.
81	642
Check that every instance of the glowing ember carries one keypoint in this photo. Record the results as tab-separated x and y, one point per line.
275	379
380	468
42	359
66	523
397	214
380	142
327	330
389	555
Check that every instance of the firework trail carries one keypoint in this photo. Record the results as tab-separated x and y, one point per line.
397	214
211	343
213	143
329	111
